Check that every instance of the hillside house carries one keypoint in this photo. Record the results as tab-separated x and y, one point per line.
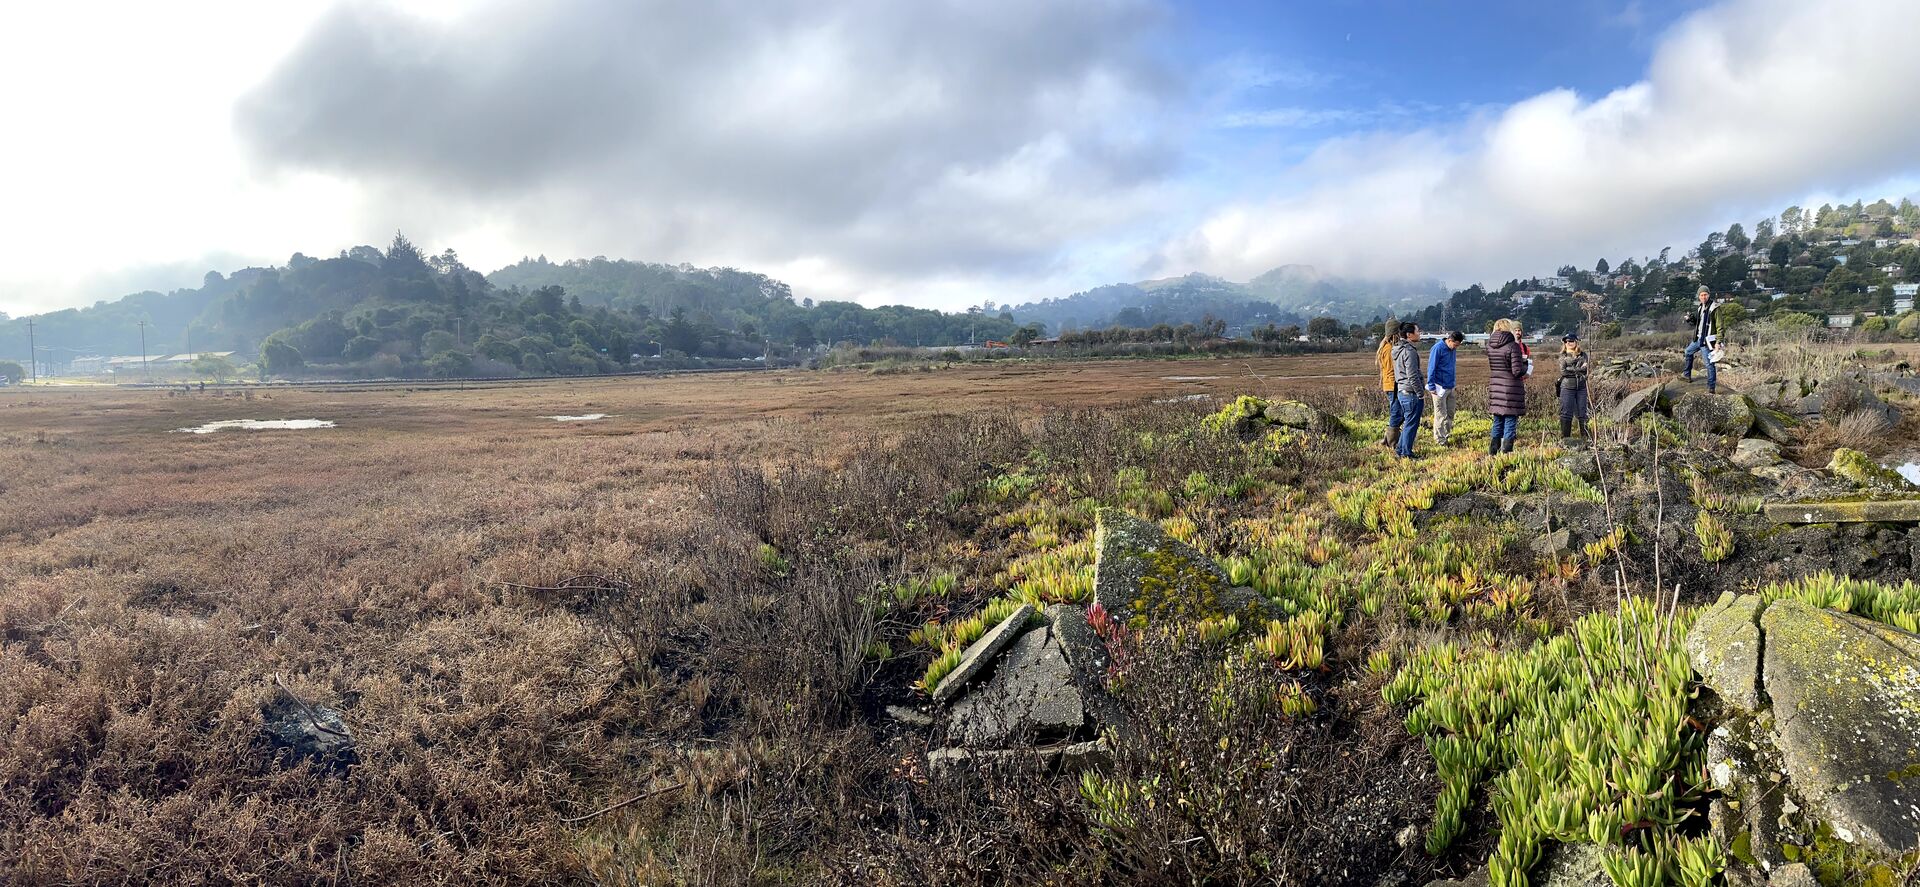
1891	269
1556	283
1840	321
1839	260
1902	304
1906	290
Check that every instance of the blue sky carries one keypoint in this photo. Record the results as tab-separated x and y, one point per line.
941	152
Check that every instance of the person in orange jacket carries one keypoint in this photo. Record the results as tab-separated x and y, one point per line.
1384	356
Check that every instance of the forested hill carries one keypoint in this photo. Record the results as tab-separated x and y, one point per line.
399	312
1289	294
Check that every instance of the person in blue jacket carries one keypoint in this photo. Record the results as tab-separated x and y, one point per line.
1440	381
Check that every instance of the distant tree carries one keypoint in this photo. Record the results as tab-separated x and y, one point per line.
1909	327
1600	267
11	371
680	334
1763	234
277	358
1131	316
1324	327
1793	220
1736	238
1024	336
1730	315
403	258
1795	320
219	369
360	348
450	365
1780	252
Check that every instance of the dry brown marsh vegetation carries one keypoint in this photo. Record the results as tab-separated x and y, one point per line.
152	585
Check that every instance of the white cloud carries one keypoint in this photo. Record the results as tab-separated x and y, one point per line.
884	149
1744	107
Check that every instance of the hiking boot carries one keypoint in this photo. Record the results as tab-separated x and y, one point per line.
1393	437
1493	446
1506	446
1566	428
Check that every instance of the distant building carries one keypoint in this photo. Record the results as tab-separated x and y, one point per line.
1839	260
90	365
1902	304
1908	290
1556	283
1777	296
178	359
1840	321
1890	268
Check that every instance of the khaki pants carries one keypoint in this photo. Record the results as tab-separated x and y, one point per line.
1443	415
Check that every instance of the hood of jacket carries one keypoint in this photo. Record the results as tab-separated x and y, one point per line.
1499	339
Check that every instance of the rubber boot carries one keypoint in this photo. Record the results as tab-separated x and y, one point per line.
1493	446
1393	437
1566	428
1506	446
1583	426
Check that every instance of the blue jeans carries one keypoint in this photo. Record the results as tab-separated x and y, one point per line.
1411	406
1713	369
1394	411
1506	427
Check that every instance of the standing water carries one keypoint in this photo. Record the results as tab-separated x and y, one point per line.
256	425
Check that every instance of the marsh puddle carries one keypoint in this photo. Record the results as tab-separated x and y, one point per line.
1910	471
256	425
589	417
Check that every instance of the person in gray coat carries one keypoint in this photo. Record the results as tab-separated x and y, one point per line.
1409	387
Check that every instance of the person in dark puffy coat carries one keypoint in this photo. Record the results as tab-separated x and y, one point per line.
1574	368
1506	385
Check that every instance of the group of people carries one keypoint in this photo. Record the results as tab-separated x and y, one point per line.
1509	365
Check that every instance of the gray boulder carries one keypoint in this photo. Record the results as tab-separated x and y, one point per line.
1843	692
980	653
1143	576
1294	414
1630	407
1775	426
310	732
1032	693
1727	415
1754	452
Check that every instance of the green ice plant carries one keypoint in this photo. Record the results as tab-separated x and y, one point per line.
1582	737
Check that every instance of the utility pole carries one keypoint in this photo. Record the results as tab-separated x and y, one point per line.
33	366
147	373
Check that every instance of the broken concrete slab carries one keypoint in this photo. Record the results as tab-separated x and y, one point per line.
1724	647
980	653
1873	511
1846	703
1032	692
1070	758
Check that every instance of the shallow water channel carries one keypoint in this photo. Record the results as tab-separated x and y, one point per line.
256	425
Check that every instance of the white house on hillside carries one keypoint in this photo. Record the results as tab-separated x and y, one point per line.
1840	321
1908	290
